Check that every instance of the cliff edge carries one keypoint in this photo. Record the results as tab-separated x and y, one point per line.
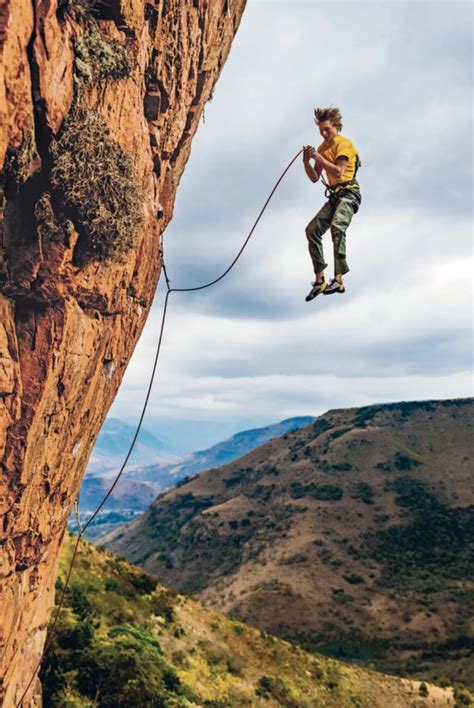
99	102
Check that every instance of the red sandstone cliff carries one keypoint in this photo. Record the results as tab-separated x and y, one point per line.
99	101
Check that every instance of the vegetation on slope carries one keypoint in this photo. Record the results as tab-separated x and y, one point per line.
353	536
123	641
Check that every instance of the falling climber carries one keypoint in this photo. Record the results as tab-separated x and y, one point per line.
339	159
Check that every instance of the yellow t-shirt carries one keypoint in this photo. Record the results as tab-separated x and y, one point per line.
340	147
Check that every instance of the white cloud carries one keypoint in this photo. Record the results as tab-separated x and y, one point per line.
251	349
274	397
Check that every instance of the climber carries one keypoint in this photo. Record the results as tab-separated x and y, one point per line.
339	158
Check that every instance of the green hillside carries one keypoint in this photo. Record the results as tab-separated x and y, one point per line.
353	536
122	641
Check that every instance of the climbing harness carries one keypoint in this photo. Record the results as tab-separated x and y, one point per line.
335	192
169	290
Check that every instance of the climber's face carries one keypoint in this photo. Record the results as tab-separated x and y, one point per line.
327	130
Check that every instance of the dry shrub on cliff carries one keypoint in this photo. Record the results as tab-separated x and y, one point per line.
95	182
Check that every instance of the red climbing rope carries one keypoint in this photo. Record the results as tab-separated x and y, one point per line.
169	290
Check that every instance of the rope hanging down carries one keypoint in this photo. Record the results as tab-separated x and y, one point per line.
169	290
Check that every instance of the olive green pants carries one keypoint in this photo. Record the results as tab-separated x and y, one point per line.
336	215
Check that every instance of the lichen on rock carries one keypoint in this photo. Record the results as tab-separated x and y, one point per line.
98	58
17	165
96	184
48	226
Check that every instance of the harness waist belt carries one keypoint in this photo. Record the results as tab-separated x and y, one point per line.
341	185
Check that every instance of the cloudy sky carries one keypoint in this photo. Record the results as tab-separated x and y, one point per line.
251	351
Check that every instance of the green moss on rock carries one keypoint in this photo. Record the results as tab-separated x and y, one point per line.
98	58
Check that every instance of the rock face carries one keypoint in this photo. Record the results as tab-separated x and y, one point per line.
98	106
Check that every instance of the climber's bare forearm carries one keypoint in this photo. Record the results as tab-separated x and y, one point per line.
312	172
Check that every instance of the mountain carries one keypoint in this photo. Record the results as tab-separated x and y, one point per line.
114	442
137	488
167	475
122	640
128	499
353	535
129	494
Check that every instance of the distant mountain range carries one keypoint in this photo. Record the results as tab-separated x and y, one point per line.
138	487
113	444
168	474
352	535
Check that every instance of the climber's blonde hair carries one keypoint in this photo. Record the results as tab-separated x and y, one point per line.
332	114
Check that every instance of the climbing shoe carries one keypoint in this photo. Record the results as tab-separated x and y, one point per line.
317	289
334	287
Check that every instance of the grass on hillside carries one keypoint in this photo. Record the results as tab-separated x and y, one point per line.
122	640
367	516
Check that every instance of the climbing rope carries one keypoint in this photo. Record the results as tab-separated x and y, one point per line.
169	290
